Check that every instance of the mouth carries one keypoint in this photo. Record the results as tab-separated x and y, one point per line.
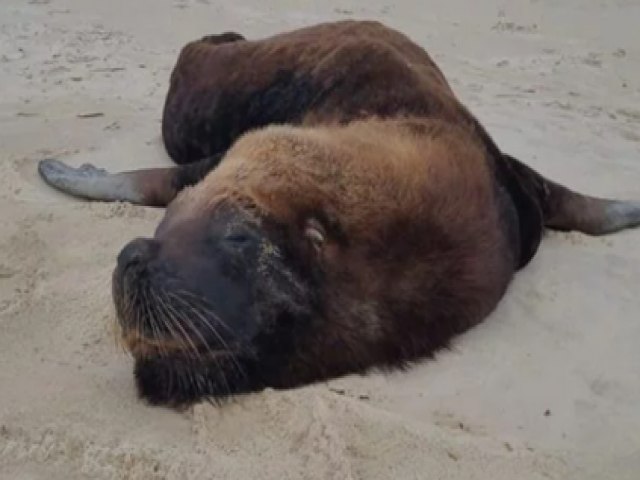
142	347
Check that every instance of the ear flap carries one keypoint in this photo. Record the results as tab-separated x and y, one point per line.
315	235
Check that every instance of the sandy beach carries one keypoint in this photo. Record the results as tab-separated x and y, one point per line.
547	388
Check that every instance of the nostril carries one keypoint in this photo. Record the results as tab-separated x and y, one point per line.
136	251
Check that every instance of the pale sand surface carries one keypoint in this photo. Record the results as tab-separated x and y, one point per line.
556	83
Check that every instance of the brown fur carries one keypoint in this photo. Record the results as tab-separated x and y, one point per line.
344	71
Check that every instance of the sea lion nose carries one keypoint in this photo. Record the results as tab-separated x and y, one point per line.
137	251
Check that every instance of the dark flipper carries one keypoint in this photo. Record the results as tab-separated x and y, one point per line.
564	209
154	187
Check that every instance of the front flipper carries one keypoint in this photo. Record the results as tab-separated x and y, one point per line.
155	187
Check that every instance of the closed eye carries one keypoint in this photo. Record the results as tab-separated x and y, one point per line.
238	238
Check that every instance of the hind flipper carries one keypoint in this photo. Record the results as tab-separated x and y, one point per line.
594	216
564	209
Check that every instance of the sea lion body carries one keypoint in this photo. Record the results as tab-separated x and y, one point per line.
327	73
336	209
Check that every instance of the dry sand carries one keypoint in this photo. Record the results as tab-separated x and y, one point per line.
547	388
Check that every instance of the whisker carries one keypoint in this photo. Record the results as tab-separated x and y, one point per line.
151	321
213	330
174	316
137	311
187	337
195	330
129	311
168	321
207	309
202	314
115	334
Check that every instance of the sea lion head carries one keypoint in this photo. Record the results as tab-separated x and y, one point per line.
210	298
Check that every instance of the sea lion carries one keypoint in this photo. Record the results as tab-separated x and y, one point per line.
335	209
